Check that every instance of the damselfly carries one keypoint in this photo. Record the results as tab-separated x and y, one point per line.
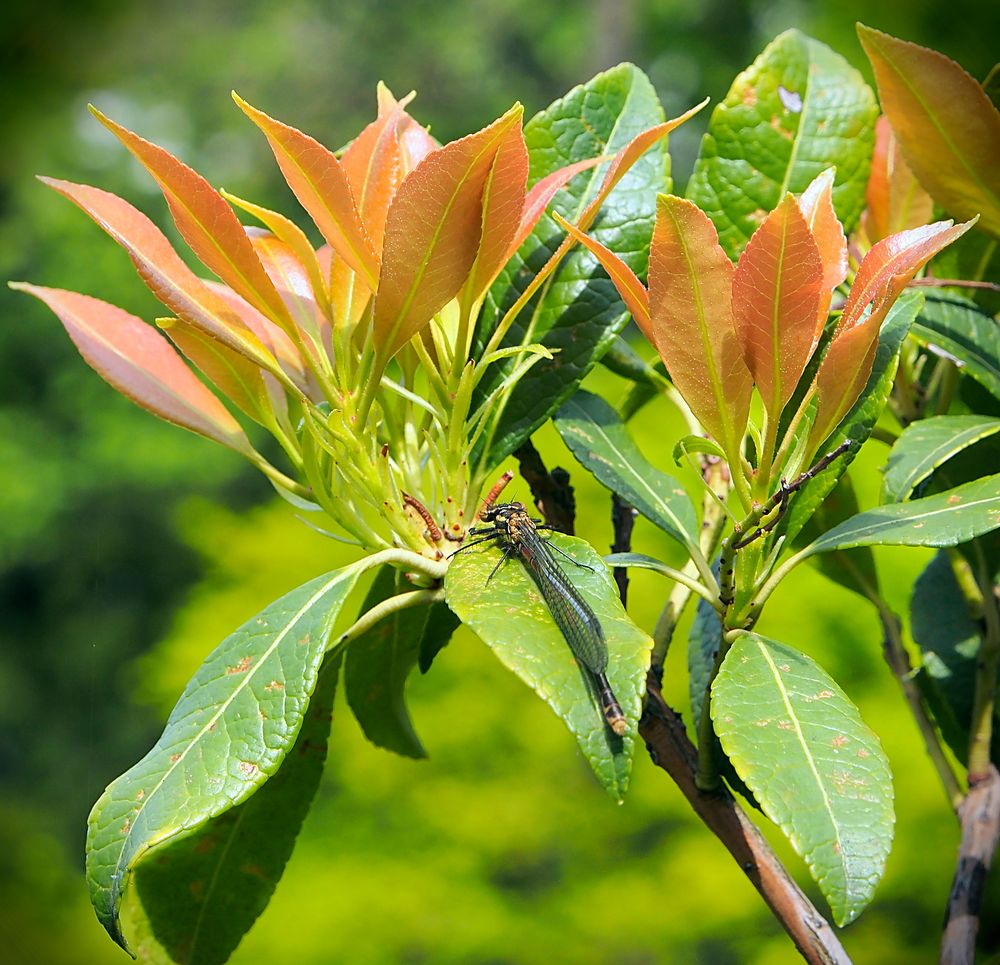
517	534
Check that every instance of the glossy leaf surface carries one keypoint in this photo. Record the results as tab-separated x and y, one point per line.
799	108
205	890
140	363
510	616
600	441
924	445
232	727
578	312
947	127
816	769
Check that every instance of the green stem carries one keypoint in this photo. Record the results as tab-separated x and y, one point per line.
380	611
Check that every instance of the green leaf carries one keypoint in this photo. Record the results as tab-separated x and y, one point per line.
946	519
441	624
857	425
799	108
949	640
205	889
692	444
232	727
855	568
817	770
578	312
925	445
704	640
510	616
595	434
377	667
971	338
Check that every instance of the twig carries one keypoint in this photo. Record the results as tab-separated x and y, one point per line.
980	817
670	749
623	519
899	663
551	491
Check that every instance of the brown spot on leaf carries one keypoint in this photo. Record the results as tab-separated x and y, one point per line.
174	758
777	126
863	753
305	639
249	769
953	500
125	828
761	723
749	97
785	668
242	667
140	795
205	845
275	685
254	870
785	725
839	741
197	888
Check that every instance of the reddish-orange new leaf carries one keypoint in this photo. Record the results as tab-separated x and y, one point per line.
691	309
816	203
776	296
947	127
432	234
632	291
163	271
503	204
373	163
414	141
206	223
894	198
135	359
891	264
320	183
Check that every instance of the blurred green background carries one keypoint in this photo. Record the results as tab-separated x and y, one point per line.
128	549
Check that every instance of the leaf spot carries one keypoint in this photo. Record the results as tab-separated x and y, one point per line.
749	96
242	667
785	668
140	795
124	829
777	126
862	752
785	725
838	742
249	769
304	639
275	685
255	871
174	758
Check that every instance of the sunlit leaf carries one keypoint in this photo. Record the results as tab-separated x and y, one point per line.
541	194
236	720
925	445
432	233
945	519
691	307
206	223
161	268
226	870
135	359
816	203
595	434
816	769
894	198
510	616
798	109
320	183
775	299
947	127
955	327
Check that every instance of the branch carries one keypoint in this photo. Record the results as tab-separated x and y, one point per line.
980	817
552	492
623	519
670	749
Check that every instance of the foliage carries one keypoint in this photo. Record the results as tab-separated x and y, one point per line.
444	320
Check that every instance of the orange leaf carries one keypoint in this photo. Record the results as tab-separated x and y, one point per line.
948	128
776	295
320	183
842	376
895	200
292	282
690	302
816	203
293	236
542	192
432	234
206	222
249	388
161	268
373	163
632	291
135	359
503	203
414	140
891	264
